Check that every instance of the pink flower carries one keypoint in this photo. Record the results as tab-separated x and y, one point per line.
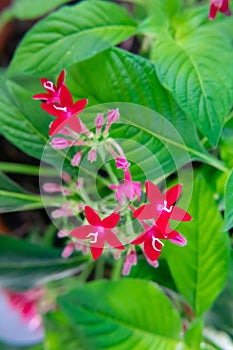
53	91
27	305
92	155
66	112
130	260
121	163
162	204
98	231
219	5
128	189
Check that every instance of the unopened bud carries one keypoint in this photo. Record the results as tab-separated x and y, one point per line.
51	187
76	159
121	163
60	143
68	250
92	155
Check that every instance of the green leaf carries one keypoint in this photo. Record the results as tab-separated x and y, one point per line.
24	265
24	10
71	34
14	198
130	78
122	315
200	268
228	215
194	64
193	335
59	333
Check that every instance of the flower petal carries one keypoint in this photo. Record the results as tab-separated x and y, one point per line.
66	97
74	124
92	217
48	107
61	79
79	106
110	221
112	240
172	195
145	212
212	12
140	239
150	252
153	192
81	232
56	126
42	96
180	214
179	239
96	251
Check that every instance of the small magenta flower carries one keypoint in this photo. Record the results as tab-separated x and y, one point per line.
162	204
66	112
98	232
113	116
122	163
53	91
219	5
128	189
99	122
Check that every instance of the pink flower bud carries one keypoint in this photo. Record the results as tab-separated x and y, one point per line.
64	211
51	187
92	155
66	191
121	163
68	250
99	121
76	159
60	143
65	176
113	115
63	233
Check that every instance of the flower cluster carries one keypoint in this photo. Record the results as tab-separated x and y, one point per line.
219	5
95	232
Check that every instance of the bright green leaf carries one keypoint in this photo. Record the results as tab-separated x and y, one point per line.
72	34
195	66
193	335
127	314
200	268
24	265
228	215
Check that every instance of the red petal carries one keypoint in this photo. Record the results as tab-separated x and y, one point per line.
81	232
145	212
150	252
92	217
179	239
42	96
180	214
56	126
153	192
79	106
212	12
140	239
75	124
96	252
163	223
61	79
48	107
172	195
112	240
66	97
110	221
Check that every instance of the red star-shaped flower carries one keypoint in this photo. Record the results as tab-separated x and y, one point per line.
99	231
53	91
219	5
162	204
66	112
151	239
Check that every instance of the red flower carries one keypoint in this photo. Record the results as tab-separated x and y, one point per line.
53	94
162	204
99	231
219	5
66	112
151	239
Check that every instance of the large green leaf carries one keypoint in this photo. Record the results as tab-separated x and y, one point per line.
72	34
127	314
23	9
125	77
24	265
200	268
194	63
228	215
14	198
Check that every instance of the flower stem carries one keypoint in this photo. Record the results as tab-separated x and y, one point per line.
116	270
